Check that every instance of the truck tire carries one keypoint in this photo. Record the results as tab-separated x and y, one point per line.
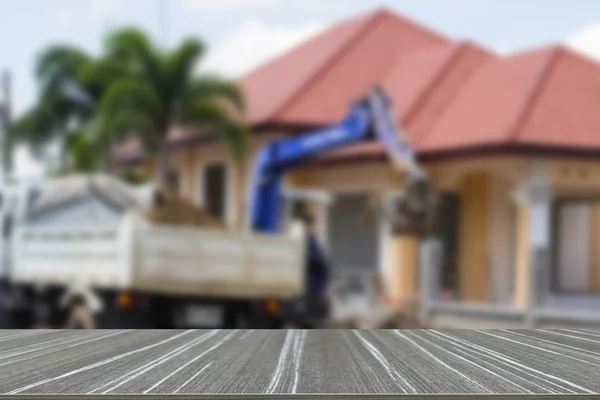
80	316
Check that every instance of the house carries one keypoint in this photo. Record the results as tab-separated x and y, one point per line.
509	141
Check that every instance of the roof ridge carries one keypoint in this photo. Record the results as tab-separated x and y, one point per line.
327	64
534	93
444	69
422	27
465	46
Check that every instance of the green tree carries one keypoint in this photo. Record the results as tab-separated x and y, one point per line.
70	84
161	91
88	104
59	106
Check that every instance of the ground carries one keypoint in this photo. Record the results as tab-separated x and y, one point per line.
296	361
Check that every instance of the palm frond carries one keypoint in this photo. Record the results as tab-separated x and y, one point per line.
59	62
133	95
96	76
207	116
134	48
180	64
214	87
113	128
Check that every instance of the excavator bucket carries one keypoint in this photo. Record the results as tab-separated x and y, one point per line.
412	211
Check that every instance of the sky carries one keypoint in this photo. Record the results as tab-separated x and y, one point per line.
242	34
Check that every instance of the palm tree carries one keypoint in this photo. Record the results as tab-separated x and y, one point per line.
161	90
58	105
70	84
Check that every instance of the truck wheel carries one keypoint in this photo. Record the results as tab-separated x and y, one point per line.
80	316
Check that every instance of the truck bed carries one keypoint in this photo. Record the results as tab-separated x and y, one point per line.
136	255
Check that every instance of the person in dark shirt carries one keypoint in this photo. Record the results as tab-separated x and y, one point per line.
318	271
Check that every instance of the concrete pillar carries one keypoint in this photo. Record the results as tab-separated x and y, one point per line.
403	261
534	219
522	246
474	269
430	267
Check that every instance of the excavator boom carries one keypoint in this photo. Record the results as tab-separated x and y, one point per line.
368	119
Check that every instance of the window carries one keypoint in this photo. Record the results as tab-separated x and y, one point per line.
576	261
174	181
447	231
214	188
299	209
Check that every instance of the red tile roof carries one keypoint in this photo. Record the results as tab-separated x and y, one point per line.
565	110
383	42
272	85
447	95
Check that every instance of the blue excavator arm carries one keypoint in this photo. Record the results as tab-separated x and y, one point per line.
368	119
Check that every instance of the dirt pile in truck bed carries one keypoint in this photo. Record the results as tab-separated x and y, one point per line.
168	208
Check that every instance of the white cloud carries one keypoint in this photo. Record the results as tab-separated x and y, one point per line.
237	5
230	4
464	4
62	19
252	44
103	8
502	49
62	22
65	18
586	41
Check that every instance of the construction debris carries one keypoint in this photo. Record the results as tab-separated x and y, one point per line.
169	208
369	309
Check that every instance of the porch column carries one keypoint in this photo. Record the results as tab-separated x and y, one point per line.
534	201
402	268
474	238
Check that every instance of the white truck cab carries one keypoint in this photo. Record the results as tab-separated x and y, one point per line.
15	199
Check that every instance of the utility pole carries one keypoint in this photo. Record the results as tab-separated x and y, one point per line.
5	98
5	118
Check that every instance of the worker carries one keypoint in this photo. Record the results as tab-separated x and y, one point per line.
319	270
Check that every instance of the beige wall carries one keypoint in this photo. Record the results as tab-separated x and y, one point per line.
575	177
373	177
